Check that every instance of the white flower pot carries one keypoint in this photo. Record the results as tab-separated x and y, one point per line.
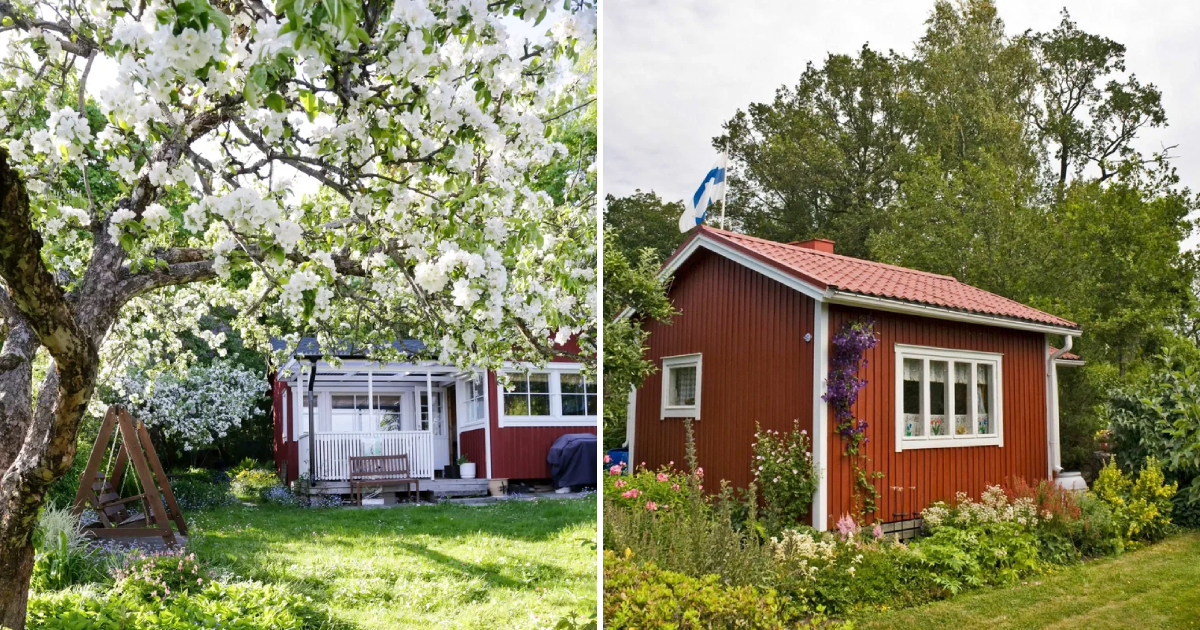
467	470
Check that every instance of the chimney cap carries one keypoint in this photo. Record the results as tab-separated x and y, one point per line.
817	244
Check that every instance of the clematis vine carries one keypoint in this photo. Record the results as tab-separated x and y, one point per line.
375	170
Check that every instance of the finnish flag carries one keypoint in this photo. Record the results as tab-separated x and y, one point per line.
710	190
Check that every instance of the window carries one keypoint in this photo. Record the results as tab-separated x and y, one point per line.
438	412
556	395
351	413
681	386
947	398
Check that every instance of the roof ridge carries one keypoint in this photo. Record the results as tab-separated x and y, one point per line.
808	250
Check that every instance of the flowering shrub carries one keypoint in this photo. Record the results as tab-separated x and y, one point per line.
198	408
160	575
198	489
841	392
663	490
784	472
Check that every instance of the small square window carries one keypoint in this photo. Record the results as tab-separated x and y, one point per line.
682	381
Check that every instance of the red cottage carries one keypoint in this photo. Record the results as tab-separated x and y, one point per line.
962	386
361	407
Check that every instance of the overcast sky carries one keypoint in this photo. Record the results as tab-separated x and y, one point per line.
675	70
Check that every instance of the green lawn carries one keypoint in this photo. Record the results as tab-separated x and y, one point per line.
510	565
1154	587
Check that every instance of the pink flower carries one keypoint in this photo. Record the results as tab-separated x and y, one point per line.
877	532
846	525
615	470
675	486
607	459
663	478
651	506
700	472
631	494
620	483
700	487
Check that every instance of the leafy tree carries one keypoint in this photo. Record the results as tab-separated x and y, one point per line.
343	168
643	221
633	295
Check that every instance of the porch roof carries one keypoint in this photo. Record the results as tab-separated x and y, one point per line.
310	347
356	371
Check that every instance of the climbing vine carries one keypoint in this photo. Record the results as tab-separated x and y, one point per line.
841	392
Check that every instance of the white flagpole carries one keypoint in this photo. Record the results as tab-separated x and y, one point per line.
725	188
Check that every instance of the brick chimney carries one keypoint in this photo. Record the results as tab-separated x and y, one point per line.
819	244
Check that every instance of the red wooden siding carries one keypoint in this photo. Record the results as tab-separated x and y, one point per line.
757	367
520	452
471	443
929	475
287	451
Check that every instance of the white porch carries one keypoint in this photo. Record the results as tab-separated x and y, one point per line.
360	408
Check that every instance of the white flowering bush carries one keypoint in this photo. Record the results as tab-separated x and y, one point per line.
200	408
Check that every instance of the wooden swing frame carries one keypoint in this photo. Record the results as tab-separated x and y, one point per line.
136	447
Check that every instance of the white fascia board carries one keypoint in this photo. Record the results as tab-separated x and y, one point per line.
936	312
1070	362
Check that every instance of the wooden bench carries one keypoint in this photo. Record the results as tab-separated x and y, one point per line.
382	470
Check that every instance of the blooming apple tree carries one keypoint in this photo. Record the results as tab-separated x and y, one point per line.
374	168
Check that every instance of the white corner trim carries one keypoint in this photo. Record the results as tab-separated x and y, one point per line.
680	361
487	428
936	312
631	422
820	429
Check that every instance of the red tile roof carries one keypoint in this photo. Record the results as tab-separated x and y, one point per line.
1066	356
853	275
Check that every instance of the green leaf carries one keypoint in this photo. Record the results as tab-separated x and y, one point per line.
276	102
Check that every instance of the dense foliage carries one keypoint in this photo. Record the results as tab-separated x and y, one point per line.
1159	417
633	296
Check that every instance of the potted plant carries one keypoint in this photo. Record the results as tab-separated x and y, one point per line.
466	467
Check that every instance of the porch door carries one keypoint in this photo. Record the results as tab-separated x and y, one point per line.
438	427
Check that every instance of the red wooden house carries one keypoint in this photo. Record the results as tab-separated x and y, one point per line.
324	414
962	386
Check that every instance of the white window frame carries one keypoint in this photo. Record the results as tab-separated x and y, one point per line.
672	363
950	356
466	420
556	417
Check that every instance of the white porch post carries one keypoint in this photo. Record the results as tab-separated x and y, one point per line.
371	398
429	408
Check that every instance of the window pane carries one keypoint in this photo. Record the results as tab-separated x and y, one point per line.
571	383
539	404
962	398
539	383
683	386
517	382
591	402
343	414
984	399
913	427
516	405
937	398
574	405
388	412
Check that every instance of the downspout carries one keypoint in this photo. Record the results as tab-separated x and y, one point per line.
312	436
1052	386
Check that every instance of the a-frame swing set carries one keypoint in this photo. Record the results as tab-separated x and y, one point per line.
100	489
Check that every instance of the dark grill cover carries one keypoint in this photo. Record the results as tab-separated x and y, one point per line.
572	460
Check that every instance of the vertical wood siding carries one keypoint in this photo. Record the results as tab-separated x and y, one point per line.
936	474
471	443
278	421
520	452
756	367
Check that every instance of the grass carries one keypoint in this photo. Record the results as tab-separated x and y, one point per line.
1155	587
512	564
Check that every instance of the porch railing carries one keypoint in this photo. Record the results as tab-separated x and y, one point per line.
334	450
